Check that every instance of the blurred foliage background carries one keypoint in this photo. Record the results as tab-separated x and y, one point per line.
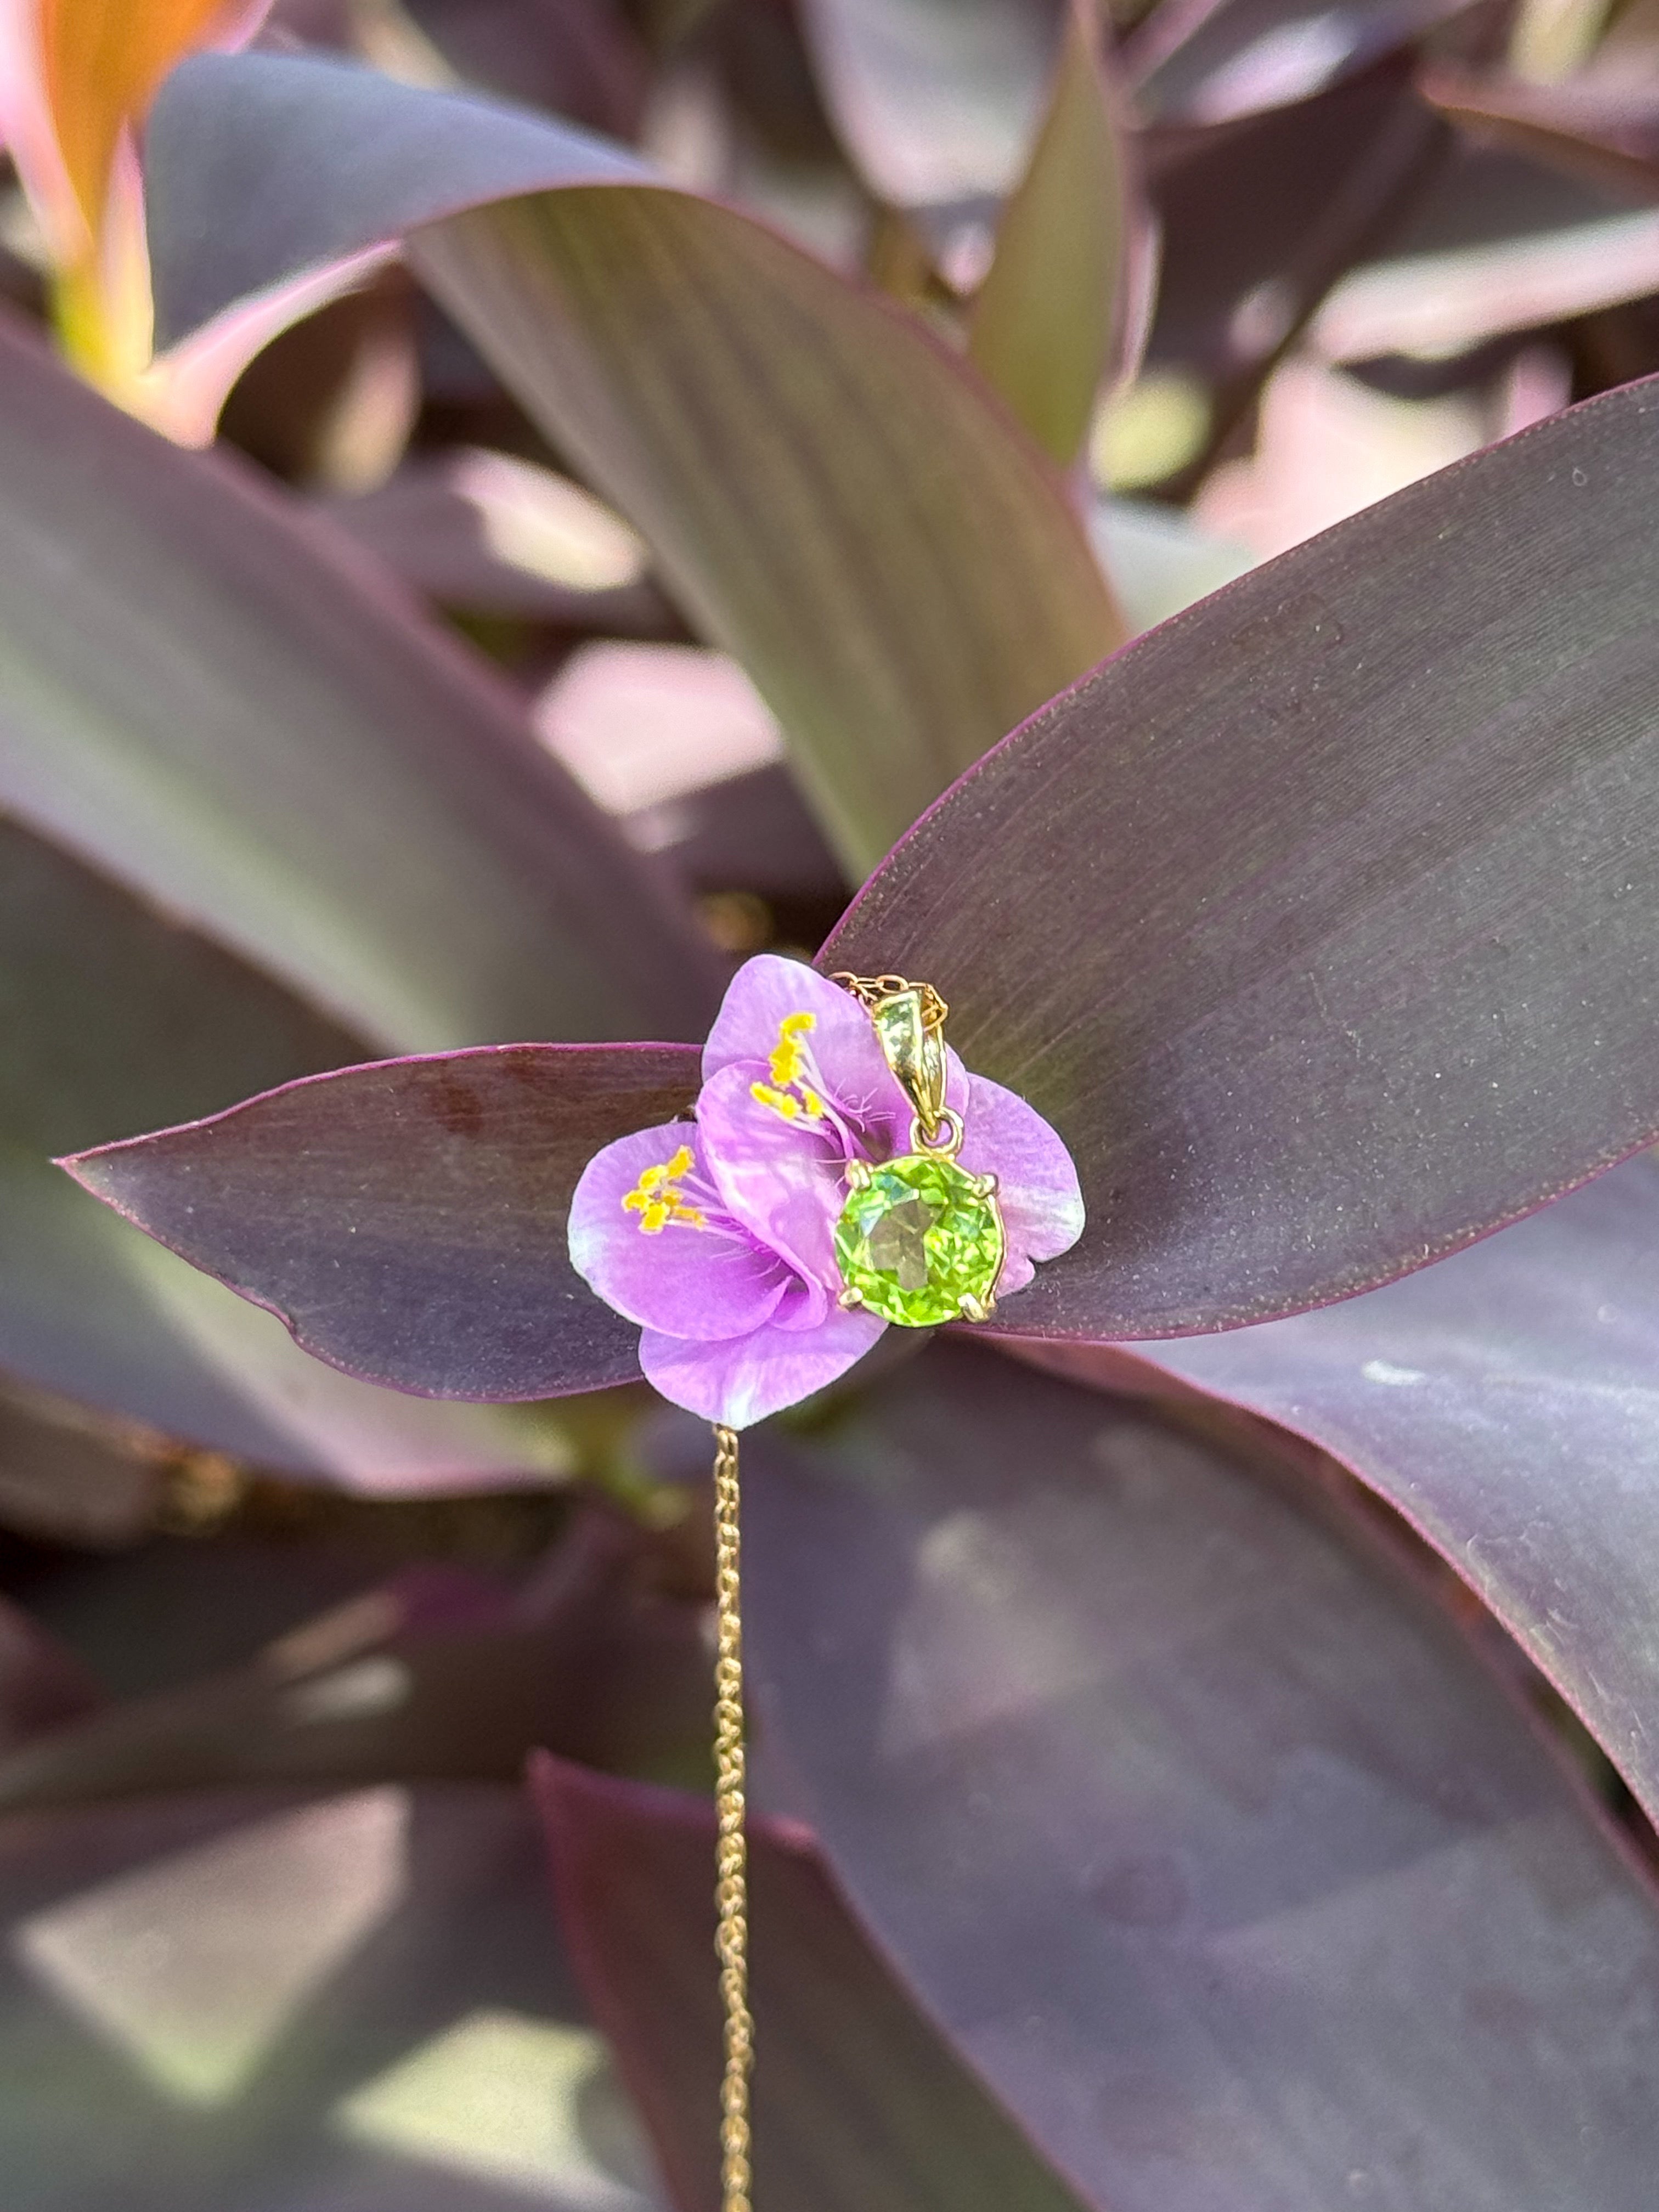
1237	269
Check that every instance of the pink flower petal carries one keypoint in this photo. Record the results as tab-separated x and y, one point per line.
712	1282
783	1178
1037	1186
763	993
741	1380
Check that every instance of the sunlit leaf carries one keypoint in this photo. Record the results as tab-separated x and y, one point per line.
1260	217
1321	921
1220	1853
1056	313
208	693
244	1999
860	2105
117	1016
403	1682
1504	1402
407	1220
832	497
1497	243
936	100
489	532
1208	64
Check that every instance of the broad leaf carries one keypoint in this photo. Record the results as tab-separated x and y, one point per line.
860	2105
429	1677
580	58
935	100
835	498
1503	1401
1056	312
1323	921
488	532
42	1686
251	2002
1208	63
69	1476
1220	1855
1606	132
217	700
407	1220
1495	242
1260	217
116	1017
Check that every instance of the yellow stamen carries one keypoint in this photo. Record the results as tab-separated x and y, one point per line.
658	1199
789	1058
778	1100
788	1095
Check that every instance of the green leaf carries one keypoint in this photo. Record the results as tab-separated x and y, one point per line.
1055	315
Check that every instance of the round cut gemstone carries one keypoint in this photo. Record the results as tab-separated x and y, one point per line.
919	1238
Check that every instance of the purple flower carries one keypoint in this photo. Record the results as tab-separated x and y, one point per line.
716	1235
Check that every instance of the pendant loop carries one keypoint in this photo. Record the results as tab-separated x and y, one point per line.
908	1019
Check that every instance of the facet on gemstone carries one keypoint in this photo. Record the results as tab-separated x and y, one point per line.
916	1238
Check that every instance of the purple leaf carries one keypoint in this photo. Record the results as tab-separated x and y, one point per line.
429	1677
117	1016
1219	1853
1504	1402
934	103
214	142
407	1219
1196	62
580	58
439	524
860	2105
44	1688
833	497
208	694
1605	132
1260	217
249	2001
1323	921
1495	242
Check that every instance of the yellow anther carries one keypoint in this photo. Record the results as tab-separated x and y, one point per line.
788	1058
788	1095
781	1102
657	1198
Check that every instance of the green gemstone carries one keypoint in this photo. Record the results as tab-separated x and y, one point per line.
919	1237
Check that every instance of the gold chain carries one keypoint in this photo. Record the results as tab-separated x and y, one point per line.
732	1886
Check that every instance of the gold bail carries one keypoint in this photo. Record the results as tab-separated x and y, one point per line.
909	1026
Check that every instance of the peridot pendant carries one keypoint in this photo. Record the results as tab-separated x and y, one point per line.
920	1240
